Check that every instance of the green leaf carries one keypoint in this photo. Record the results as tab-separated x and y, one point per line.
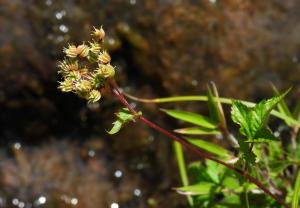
193	118
213	170
296	111
213	106
231	183
282	107
245	152
221	99
117	125
197	131
123	117
263	135
296	192
252	120
210	147
182	168
197	189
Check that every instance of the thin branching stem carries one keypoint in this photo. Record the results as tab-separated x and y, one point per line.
189	146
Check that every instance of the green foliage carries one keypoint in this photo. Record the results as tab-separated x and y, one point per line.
197	189
193	118
182	168
253	120
123	117
211	147
296	192
213	185
197	131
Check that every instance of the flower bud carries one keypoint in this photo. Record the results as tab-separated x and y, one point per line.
107	71
66	85
74	75
82	50
71	51
83	86
95	47
66	66
94	96
104	58
99	34
84	72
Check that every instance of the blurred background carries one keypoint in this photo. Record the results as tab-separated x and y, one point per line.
54	149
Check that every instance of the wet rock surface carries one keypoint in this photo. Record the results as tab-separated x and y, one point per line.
160	48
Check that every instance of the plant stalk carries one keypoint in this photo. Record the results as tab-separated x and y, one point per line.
190	146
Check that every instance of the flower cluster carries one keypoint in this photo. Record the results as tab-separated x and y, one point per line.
86	68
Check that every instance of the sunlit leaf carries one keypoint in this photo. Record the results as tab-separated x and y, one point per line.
296	111
282	106
123	117
197	189
210	147
213	170
213	106
197	131
117	125
296	191
252	120
193	118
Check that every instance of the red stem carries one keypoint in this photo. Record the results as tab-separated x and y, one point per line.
190	146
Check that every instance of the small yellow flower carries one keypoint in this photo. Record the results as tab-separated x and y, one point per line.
107	71
94	96
83	86
82	50
66	66
95	47
99	34
66	85
71	51
104	58
74	75
84	71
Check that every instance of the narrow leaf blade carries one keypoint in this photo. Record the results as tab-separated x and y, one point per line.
197	189
210	147
197	131
193	118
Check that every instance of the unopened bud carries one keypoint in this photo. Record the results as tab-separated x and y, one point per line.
66	85
83	50
107	71
94	96
71	51
104	58
99	34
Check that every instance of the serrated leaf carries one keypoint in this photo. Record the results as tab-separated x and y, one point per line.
193	118
252	120
197	189
197	131
210	147
246	154
124	116
263	135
